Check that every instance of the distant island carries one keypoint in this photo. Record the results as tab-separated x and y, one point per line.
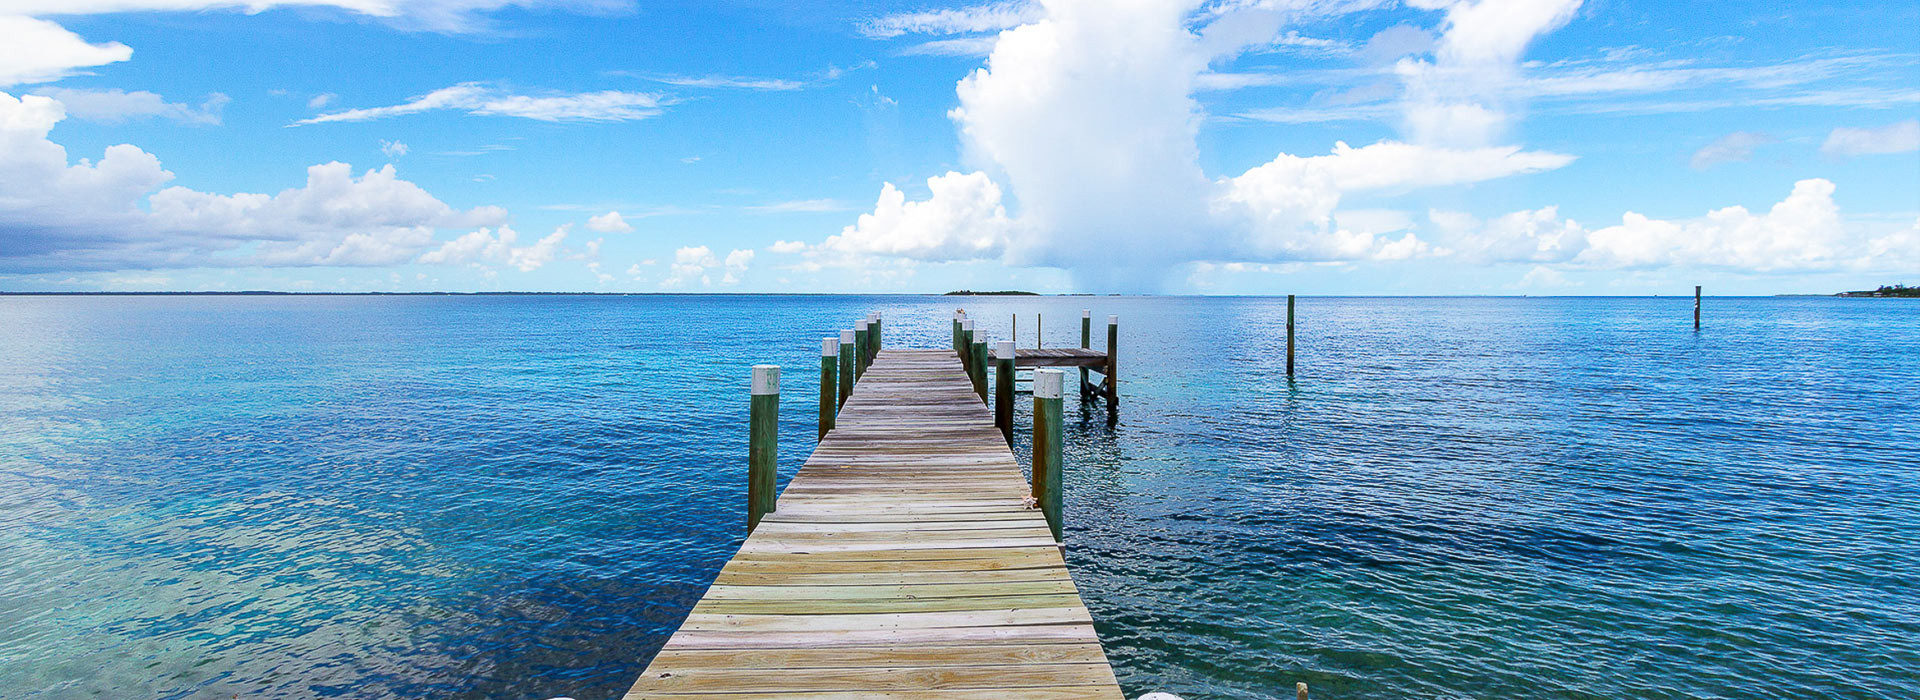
1897	290
1006	293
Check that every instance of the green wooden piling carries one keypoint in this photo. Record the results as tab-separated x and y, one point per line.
1016	329
966	345
1038	339
829	362
860	350
1696	307
1086	343
763	441
1113	370
846	366
980	368
1289	335
1046	445
957	317
877	346
1003	353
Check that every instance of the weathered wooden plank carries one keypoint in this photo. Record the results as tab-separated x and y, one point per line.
902	562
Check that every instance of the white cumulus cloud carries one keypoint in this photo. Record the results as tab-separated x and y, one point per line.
610	222
40	51
107	214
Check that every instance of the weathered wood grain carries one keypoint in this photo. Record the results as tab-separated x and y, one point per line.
902	562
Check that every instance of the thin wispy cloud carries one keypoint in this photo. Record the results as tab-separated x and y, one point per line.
116	106
481	99
799	206
1736	147
1898	137
991	17
727	82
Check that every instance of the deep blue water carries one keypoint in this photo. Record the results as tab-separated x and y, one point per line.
520	497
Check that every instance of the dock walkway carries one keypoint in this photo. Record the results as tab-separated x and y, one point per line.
901	562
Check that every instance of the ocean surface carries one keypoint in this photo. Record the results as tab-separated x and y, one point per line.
520	497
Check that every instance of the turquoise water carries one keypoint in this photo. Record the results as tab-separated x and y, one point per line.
520	497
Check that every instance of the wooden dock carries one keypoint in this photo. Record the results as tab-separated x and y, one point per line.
903	561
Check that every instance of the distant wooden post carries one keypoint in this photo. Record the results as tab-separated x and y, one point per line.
763	441
1113	370
1300	691
1038	339
1046	445
860	349
1289	335
1086	343
829	361
980	368
876	336
1003	353
846	366
1696	307
1016	329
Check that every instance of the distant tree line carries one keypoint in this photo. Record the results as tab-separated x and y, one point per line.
1887	290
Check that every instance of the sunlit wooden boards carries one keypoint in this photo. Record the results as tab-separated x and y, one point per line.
1059	357
902	562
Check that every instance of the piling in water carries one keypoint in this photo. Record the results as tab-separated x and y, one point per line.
1289	335
1003	352
1046	445
763	440
1696	307
1086	343
966	345
1113	370
829	362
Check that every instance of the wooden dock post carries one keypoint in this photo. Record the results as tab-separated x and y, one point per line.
846	366
1016	329
958	316
1003	353
1300	691
1696	307
1086	343
876	335
980	367
1038	339
829	362
1113	370
966	345
763	442
1289	335
1046	445
860	350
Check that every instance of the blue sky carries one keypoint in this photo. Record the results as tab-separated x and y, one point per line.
1181	146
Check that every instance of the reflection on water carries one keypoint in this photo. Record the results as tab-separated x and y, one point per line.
521	497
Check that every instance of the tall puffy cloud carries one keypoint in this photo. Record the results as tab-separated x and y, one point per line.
57	214
1458	98
1086	117
963	219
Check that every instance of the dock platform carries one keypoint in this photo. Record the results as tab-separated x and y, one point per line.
903	561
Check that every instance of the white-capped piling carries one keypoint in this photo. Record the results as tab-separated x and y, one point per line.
1046	445
763	440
